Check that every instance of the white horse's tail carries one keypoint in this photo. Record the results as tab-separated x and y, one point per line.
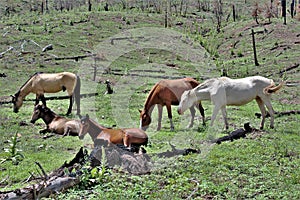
273	88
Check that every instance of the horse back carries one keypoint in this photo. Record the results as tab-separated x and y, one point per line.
54	82
171	90
114	136
135	136
58	124
135	132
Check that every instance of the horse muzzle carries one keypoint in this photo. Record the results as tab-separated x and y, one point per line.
32	121
16	110
179	111
144	128
81	137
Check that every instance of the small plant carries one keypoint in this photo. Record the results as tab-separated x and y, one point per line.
95	175
13	154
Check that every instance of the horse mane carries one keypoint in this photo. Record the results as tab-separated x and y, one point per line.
151	94
36	73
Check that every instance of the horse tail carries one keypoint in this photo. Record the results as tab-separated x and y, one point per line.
77	93
273	88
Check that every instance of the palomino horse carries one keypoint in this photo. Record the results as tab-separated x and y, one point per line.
54	122
126	136
167	93
41	83
236	92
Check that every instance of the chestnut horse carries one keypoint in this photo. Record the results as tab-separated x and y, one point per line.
41	83
167	93
125	136
55	123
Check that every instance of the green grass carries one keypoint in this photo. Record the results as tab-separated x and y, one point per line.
265	165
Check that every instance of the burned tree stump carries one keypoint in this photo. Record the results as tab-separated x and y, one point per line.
237	134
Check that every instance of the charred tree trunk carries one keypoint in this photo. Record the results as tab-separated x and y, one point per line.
292	8
283	5
233	12
89	6
254	48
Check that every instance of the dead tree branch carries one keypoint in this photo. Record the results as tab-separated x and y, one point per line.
76	58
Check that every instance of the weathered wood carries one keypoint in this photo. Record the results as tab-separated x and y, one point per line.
237	134
279	114
281	72
59	181
175	152
47	48
254	48
55	182
76	58
4	52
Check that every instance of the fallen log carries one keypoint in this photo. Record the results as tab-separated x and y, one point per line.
76	58
175	152
280	114
55	182
4	52
281	72
237	134
111	156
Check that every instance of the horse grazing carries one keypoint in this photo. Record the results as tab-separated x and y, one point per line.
236	92
125	136
167	93
41	83
54	122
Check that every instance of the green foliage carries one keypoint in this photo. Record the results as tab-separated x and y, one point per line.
13	154
94	176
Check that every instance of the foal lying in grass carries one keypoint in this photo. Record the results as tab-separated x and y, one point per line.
55	123
235	92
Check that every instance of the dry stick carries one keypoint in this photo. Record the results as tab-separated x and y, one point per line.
76	58
254	48
125	38
43	171
4	52
195	190
281	72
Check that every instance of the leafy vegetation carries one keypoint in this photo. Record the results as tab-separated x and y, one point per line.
265	165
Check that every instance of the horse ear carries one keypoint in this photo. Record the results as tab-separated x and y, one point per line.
140	110
45	108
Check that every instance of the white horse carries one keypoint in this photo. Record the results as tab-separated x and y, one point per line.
236	92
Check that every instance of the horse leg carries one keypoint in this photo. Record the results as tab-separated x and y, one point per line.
37	100
214	115
126	141
170	116
224	113
77	94
267	102
201	110
70	105
193	111
67	131
43	100
159	108
262	108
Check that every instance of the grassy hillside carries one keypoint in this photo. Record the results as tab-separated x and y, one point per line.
132	49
